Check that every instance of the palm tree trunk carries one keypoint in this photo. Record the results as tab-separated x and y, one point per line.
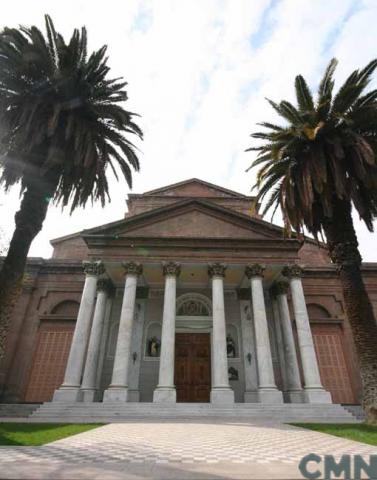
343	250
29	220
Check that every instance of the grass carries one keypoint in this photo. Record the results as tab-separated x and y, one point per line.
360	432
33	434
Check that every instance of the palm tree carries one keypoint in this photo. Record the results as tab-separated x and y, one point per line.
62	126
316	166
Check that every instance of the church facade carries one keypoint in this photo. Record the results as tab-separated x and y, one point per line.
191	297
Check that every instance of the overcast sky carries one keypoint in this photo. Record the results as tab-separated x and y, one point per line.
198	72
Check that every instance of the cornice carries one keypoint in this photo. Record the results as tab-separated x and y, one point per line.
37	266
193	242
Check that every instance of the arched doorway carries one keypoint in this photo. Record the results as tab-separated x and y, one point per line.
193	348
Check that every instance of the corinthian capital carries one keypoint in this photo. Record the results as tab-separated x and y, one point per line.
255	270
171	268
292	271
216	269
93	268
132	268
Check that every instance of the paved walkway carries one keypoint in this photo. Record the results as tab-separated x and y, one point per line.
176	449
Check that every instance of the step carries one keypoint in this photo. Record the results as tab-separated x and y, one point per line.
108	412
356	410
186	407
127	408
15	410
110	419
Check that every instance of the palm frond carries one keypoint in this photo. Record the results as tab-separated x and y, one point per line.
61	115
303	95
324	153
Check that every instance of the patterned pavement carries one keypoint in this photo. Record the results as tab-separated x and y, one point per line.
192	442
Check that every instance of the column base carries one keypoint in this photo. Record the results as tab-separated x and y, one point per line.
317	395
115	394
165	395
294	396
270	395
250	396
222	395
67	394
88	395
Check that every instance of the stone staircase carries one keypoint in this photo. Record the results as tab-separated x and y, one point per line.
123	412
17	410
357	411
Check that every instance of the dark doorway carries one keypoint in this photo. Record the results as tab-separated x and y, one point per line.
192	367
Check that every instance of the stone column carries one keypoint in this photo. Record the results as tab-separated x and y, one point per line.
102	355
279	340
221	392
89	382
294	390
118	389
267	390
313	390
137	351
249	357
69	390
165	391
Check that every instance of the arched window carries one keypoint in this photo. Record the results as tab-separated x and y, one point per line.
68	308
193	305
317	312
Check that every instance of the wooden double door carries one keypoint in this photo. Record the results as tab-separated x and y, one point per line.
50	360
328	342
192	367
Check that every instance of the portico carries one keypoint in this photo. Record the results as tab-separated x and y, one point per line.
190	297
233	303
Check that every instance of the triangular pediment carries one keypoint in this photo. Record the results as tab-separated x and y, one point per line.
195	188
190	219
193	224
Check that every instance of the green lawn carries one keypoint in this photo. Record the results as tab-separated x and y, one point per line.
359	432
32	434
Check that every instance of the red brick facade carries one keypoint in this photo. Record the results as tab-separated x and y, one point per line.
192	222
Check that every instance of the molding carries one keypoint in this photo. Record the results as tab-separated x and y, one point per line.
328	320
48	317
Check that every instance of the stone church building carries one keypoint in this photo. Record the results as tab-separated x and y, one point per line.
191	297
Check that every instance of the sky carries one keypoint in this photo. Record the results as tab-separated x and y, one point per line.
198	72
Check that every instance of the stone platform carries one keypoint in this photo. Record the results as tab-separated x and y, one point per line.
119	412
